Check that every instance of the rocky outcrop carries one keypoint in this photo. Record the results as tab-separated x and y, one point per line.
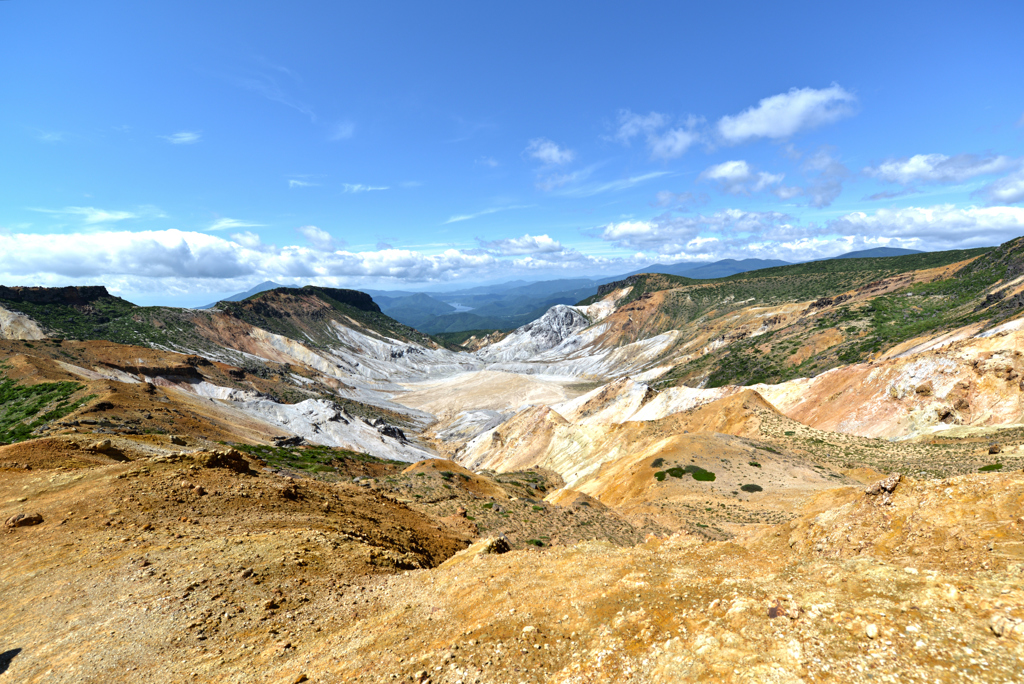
72	296
547	332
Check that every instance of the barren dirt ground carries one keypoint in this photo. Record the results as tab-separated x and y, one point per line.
184	569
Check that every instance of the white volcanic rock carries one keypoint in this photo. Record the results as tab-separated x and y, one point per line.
468	424
319	422
16	326
547	332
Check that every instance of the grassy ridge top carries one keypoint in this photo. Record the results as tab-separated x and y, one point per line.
304	314
796	282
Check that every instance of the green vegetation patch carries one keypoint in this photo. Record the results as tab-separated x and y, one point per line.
990	468
455	340
754	463
23	408
535	542
751	488
312	459
697	472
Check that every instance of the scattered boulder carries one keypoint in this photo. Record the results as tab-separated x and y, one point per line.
888	485
994	448
481	547
294	440
107	448
23	520
231	459
495	545
290	492
177	441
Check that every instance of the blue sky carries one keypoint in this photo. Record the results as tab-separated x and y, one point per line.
176	152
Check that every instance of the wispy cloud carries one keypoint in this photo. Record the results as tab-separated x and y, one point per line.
485	212
230	223
50	136
267	86
783	115
183	137
890	194
592	189
294	183
489	162
92	215
359	187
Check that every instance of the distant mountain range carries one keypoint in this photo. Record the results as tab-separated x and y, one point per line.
508	305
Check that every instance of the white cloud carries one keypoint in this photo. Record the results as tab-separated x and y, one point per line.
1008	190
765	180
938	168
784	192
548	152
672	143
229	223
944	226
317	237
527	244
293	183
783	115
738	178
485	212
677	236
729	172
663	144
343	130
359	187
631	125
490	162
183	137
248	239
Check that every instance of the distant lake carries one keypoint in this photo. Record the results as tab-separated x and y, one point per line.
459	308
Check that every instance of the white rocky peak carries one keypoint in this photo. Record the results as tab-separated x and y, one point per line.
545	333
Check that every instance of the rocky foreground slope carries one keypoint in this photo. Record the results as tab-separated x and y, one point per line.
808	473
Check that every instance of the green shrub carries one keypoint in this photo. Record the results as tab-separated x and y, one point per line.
698	473
751	488
992	467
488	505
754	463
535	542
702	475
657	463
